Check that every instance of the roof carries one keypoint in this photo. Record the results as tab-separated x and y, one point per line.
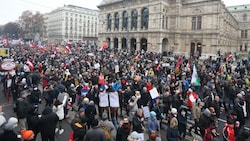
106	2
239	7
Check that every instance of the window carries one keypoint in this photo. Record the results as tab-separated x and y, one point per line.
166	25
245	47
163	21
109	23
243	33
116	21
144	18
134	16
244	17
240	47
196	23
125	20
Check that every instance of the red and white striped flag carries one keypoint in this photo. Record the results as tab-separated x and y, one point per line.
137	56
230	57
68	49
42	48
30	64
104	46
192	98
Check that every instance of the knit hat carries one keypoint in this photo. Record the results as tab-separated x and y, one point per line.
27	134
173	110
11	124
104	116
81	110
91	103
152	114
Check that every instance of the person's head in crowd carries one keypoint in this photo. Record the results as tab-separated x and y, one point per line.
85	101
212	110
217	98
104	116
11	124
139	112
207	112
23	94
94	123
174	112
91	103
27	135
152	114
230	122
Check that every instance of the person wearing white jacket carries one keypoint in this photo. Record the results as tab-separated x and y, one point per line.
58	108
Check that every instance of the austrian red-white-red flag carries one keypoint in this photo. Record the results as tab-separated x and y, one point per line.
137	56
42	48
30	64
229	57
68	49
104	46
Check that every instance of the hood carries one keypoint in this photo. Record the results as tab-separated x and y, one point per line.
47	111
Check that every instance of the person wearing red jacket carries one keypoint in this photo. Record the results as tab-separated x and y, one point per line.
228	131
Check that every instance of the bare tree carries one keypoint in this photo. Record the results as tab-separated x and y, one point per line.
11	29
32	24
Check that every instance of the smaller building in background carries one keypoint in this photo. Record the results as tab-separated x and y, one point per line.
72	24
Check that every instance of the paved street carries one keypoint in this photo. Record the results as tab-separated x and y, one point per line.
8	110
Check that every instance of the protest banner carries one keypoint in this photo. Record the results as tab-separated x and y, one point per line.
104	100
114	99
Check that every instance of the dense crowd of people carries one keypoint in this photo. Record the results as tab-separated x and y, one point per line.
64	79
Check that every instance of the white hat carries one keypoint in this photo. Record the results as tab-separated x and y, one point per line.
173	110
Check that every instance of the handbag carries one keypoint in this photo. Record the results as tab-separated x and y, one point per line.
71	136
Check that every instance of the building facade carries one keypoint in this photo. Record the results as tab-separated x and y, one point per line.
186	27
72	23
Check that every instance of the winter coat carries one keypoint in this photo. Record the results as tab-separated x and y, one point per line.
59	110
79	129
123	132
182	122
110	126
23	106
173	134
35	95
204	123
47	123
196	111
228	133
153	125
90	113
137	124
95	134
9	135
240	114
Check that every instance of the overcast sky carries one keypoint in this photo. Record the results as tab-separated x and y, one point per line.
11	9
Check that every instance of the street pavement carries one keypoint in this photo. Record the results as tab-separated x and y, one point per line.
8	110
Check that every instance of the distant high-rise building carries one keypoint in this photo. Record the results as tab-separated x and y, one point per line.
72	23
187	27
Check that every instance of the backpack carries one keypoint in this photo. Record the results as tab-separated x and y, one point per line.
106	132
2	129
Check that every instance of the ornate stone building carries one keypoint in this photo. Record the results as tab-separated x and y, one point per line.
181	26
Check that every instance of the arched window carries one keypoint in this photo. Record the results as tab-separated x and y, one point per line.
116	20
244	17
109	21
134	16
144	18
125	20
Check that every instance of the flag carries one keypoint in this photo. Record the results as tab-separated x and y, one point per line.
195	79
68	49
229	57
34	44
30	65
179	62
104	46
137	56
42	48
191	99
158	67
221	69
188	64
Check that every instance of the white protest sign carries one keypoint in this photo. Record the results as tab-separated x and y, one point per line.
116	68
154	93
97	66
146	112
141	136
114	99
104	101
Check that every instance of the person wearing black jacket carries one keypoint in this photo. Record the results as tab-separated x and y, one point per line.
22	106
47	124
204	121
90	112
240	113
137	122
32	121
78	125
35	96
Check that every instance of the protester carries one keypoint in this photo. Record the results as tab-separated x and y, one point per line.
105	123
95	133
47	124
9	133
123	130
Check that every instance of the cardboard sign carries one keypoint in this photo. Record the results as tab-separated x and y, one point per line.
154	93
114	99
104	100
